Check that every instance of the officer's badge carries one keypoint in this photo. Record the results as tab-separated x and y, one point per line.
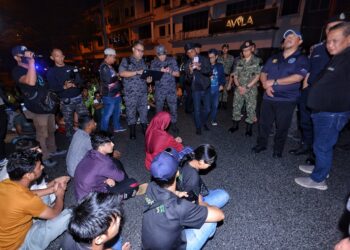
292	60
274	60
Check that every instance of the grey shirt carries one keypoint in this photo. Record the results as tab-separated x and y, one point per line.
79	146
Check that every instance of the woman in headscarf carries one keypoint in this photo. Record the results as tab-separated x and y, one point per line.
158	139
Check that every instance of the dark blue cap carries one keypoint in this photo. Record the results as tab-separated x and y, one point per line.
19	50
165	165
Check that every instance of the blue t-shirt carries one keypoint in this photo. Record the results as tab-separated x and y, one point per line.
218	77
279	67
319	58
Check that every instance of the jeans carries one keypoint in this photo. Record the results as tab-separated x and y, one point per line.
214	103
43	232
217	198
326	131
198	96
196	238
111	107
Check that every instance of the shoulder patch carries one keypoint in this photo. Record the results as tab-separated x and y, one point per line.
292	60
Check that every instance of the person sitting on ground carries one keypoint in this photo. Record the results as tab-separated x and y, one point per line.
190	181
22	205
95	223
157	139
168	213
81	144
97	108
24	128
97	172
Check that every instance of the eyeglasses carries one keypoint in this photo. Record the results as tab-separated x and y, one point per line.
140	50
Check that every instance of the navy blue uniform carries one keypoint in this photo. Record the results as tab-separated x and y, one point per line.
280	108
319	58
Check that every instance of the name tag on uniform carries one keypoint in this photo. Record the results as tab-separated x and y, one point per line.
315	56
330	68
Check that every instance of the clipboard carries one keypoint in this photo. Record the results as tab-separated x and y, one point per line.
156	75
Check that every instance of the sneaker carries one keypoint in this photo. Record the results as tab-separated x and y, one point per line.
307	182
3	162
58	153
121	129
214	123
49	163
306	168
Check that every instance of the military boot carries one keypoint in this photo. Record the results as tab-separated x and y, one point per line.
249	130
234	128
132	129
144	128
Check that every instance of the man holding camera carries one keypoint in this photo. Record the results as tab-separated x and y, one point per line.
198	70
65	81
166	86
34	90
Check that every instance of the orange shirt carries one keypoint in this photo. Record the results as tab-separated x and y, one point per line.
18	207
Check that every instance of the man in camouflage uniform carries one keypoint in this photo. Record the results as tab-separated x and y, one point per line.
246	75
166	87
135	88
227	60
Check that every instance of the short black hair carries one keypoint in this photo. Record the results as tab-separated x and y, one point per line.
97	92
99	139
21	163
93	216
205	152
84	121
344	26
25	144
137	42
213	51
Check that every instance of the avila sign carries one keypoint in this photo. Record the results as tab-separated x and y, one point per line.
251	20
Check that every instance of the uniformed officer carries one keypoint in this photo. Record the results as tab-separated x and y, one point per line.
281	77
246	75
318	58
135	88
166	87
227	60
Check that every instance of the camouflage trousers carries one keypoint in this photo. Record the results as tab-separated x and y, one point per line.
170	96
68	107
136	102
250	99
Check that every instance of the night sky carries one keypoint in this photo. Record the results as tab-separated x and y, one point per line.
40	24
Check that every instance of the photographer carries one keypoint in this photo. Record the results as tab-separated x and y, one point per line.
34	92
65	81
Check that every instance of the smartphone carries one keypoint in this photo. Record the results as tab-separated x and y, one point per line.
196	59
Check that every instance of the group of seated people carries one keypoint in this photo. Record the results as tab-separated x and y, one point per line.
100	184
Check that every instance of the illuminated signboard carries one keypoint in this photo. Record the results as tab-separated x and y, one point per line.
252	20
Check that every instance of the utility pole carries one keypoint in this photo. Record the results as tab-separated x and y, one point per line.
103	23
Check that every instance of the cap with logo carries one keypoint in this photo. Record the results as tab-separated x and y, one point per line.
160	50
110	52
165	165
18	50
342	17
290	31
247	44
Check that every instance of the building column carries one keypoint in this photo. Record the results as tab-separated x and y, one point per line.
171	29
152	31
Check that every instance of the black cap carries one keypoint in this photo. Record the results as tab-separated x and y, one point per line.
198	45
213	51
338	18
247	44
189	46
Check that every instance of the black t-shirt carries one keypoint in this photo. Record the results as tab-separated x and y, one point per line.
68	243
331	90
163	226
190	180
56	76
32	95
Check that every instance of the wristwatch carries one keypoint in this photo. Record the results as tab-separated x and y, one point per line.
275	82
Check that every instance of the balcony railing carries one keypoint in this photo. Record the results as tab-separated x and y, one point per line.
181	35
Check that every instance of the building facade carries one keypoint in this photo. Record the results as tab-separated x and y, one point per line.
208	22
